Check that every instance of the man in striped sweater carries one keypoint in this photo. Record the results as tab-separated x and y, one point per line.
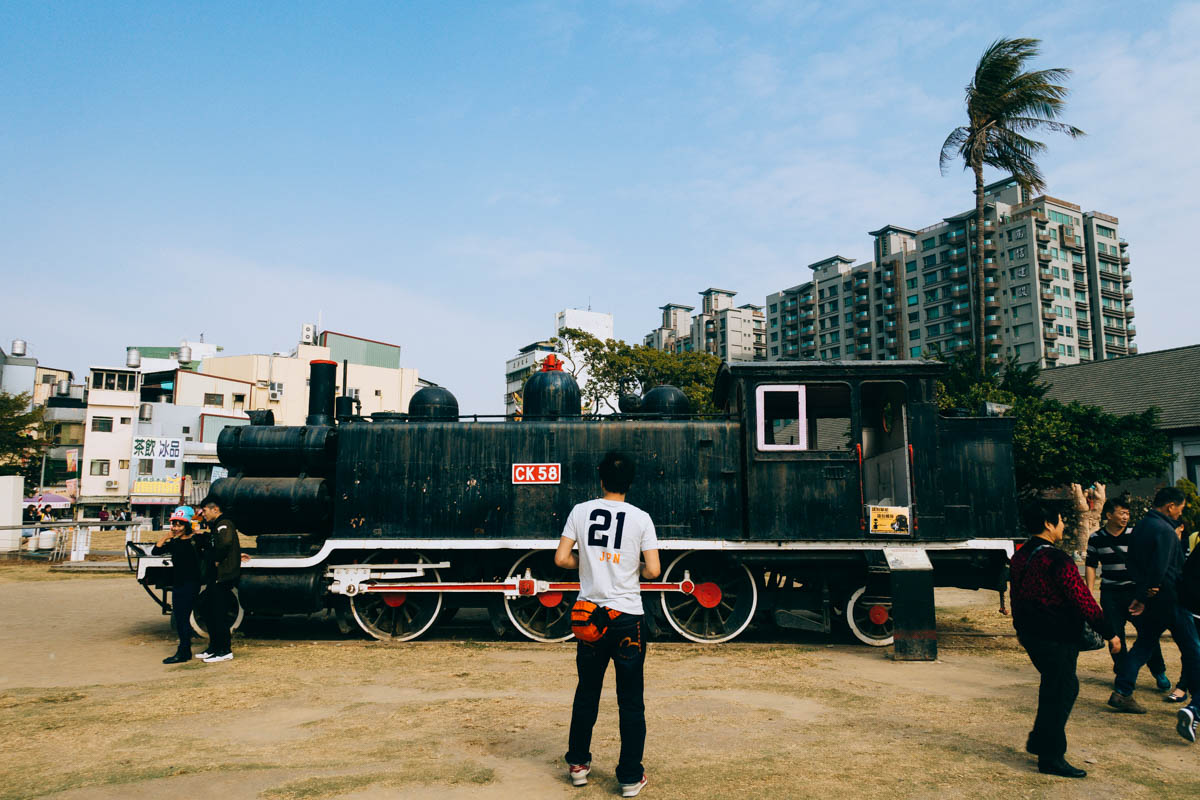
1108	549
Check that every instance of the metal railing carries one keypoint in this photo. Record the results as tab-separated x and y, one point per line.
68	540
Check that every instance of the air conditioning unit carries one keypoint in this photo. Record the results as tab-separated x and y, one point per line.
308	333
276	395
110	484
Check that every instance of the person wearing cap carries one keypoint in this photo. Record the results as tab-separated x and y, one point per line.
224	563
181	545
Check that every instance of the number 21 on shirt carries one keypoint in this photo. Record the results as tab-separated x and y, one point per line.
602	521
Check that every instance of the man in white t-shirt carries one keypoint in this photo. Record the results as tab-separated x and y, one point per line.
612	537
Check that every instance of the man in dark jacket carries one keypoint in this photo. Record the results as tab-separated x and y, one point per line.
224	557
1155	564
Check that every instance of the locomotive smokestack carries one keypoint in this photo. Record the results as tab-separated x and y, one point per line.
322	378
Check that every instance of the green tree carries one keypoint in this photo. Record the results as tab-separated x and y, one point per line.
1054	443
1005	102
1191	513
615	367
19	445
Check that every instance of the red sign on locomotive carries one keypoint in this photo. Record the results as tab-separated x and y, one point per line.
536	473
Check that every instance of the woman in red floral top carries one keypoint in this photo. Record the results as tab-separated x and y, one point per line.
1050	603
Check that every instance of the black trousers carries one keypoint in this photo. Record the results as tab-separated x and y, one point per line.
624	643
1056	694
219	609
1114	603
183	601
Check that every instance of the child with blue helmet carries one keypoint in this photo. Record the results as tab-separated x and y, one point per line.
181	545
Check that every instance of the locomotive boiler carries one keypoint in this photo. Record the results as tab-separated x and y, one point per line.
793	507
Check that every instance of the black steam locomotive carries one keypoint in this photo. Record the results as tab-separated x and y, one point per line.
792	507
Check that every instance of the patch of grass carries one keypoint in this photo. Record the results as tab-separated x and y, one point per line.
316	788
26	785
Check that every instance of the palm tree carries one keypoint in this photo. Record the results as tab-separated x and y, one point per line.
1004	103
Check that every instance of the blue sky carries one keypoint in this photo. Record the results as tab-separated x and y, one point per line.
447	176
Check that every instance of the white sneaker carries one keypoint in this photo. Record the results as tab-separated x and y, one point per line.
579	773
204	655
212	659
632	789
1186	725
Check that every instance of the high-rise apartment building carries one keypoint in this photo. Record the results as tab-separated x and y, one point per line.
529	358
728	332
1056	289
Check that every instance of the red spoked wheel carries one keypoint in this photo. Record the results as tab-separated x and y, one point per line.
398	616
870	618
544	617
722	604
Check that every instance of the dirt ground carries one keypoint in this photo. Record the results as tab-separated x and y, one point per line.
88	711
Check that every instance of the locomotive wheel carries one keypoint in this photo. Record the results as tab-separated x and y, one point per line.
544	617
397	616
870	618
722	605
235	619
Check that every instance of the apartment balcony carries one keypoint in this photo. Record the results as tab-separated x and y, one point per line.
961	326
991	283
1131	328
1123	244
1052	355
889	309
993	358
862	316
992	321
961	346
890	341
861	283
1048	315
1107	291
888	274
1073	243
1047	295
993	341
789	304
1043	235
1067	230
806	314
862	300
1081	303
890	325
1085	339
1080	279
1083	321
1132	349
889	292
1126	274
1113	257
1128	294
862	333
989	246
957	256
960	290
988	226
961	309
1113	329
1039	216
808	343
1049	334
1129	312
808	329
808	298
957	272
1125	259
956	236
1043	255
991	302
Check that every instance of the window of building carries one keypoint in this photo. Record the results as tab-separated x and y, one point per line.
835	352
214	400
914	316
911	283
915	335
913	299
99	466
774	351
915	352
145	466
169	464
930	261
933	313
1106	232
910	266
102	425
932	330
929	244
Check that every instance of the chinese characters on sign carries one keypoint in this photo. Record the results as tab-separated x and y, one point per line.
150	447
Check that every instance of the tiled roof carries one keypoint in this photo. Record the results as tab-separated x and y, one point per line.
1169	379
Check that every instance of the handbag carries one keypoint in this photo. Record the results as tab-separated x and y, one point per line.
1089	639
589	622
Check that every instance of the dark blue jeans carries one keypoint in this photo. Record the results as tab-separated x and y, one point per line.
1163	613
624	643
1114	601
183	600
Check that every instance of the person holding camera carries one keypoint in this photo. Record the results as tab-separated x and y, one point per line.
181	545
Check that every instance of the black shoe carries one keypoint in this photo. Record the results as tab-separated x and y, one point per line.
1029	745
1059	766
178	658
